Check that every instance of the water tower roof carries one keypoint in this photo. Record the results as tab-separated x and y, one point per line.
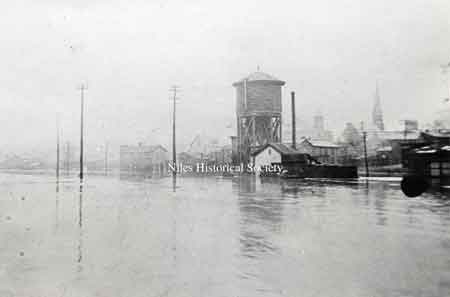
260	76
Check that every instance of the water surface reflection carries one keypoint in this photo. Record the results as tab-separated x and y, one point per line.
220	237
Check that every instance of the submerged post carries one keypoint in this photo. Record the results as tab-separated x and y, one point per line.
106	158
294	144
82	89
67	158
57	146
365	149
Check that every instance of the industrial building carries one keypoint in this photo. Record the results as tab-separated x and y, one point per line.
149	159
324	151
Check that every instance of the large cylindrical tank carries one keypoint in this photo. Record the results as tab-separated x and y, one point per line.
258	94
258	113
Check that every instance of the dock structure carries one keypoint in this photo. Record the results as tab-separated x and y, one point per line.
258	113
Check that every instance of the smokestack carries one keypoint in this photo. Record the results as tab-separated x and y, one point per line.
294	144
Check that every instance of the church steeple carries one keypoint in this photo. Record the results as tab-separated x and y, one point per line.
377	113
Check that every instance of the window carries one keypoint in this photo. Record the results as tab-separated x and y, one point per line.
434	169
446	168
434	172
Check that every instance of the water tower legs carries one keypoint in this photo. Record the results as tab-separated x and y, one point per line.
255	132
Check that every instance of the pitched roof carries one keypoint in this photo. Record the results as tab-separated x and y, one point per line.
322	143
260	76
142	148
282	148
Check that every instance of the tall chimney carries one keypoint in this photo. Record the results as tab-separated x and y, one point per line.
294	145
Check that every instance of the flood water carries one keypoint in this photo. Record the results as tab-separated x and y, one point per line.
215	236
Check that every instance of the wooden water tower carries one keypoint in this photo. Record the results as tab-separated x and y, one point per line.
258	112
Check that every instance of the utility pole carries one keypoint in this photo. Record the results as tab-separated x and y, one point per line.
57	146
82	88
174	89
68	158
106	158
404	132
365	149
294	140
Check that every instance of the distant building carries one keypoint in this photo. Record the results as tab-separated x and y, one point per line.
221	155
21	162
384	147
317	131
351	136
377	113
319	123
323	151
144	158
411	125
388	144
351	141
186	158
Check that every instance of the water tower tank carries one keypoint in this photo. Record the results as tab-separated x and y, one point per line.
258	112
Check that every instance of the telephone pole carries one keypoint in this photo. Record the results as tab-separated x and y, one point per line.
366	163
106	158
294	140
67	158
57	145
82	88
174	89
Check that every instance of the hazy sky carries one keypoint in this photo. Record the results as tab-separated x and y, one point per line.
130	53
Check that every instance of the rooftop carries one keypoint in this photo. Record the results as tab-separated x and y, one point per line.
282	148
321	143
141	148
441	133
260	76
